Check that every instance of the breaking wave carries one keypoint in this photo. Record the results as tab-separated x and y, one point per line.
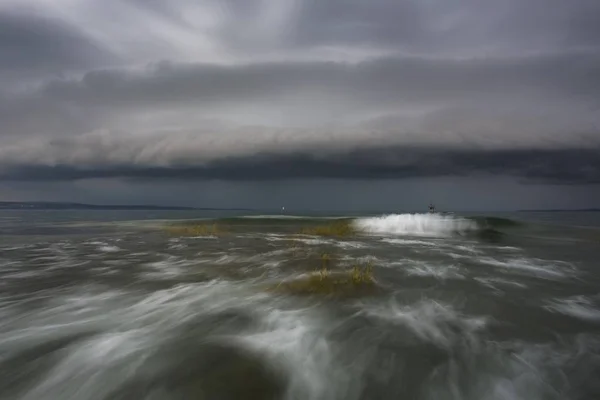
416	225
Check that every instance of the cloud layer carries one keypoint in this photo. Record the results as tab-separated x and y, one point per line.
256	90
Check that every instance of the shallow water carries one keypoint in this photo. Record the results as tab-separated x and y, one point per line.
106	305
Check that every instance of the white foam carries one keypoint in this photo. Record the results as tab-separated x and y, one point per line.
431	321
9	265
271	237
22	275
104	355
350	245
295	341
467	249
408	242
414	225
109	249
313	242
95	242
103	246
457	256
177	246
348	260
543	371
580	307
536	267
169	268
492	282
88	310
436	271
17	247
125	329
316	241
507	248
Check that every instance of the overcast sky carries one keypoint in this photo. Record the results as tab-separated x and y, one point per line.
347	104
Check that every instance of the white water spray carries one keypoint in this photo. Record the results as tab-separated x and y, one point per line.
415	225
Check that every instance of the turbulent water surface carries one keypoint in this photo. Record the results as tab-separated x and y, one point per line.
107	305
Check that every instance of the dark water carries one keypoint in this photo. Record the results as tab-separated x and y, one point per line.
107	305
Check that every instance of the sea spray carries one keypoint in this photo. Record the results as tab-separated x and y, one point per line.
415	225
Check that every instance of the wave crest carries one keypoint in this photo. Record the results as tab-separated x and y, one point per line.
415	225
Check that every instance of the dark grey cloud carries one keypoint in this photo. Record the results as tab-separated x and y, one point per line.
254	29
530	117
388	79
551	21
446	27
567	83
316	23
395	24
262	91
32	43
564	166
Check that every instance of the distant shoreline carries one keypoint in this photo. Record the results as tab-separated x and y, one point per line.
42	205
564	210
35	205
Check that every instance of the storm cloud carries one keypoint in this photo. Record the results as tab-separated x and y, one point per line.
299	89
550	166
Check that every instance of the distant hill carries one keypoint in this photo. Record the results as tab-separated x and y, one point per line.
42	205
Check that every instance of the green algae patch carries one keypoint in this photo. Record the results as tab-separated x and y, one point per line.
336	229
196	230
355	281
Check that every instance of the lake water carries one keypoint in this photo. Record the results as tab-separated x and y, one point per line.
110	305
